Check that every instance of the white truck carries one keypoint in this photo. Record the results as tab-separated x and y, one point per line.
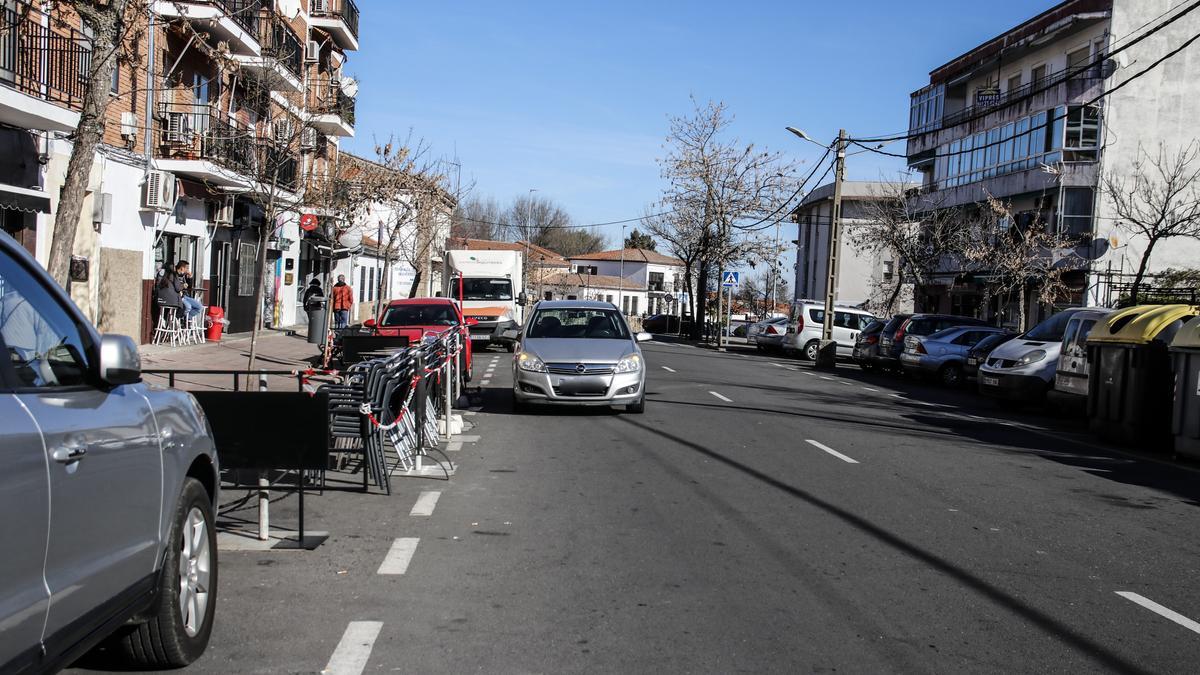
488	286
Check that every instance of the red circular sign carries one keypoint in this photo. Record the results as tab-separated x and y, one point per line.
308	222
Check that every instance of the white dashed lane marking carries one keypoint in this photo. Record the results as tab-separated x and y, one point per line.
835	453
669	370
727	400
425	503
397	558
352	652
1160	610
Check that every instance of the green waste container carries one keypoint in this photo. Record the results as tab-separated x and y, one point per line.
1185	423
1130	391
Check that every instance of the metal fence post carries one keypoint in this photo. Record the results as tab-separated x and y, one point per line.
264	497
448	409
419	401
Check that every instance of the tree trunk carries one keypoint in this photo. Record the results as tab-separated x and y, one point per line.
88	134
1023	295
1141	272
701	299
260	292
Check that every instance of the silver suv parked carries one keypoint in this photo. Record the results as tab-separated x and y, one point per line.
107	493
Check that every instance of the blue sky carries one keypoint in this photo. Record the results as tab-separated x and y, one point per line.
572	98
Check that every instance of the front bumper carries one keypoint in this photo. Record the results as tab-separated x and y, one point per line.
918	363
555	389
492	332
1010	386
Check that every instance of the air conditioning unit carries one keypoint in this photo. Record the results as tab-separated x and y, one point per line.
312	51
222	212
178	128
319	6
129	125
308	138
158	191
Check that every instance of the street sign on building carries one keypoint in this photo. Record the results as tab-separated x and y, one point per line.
729	278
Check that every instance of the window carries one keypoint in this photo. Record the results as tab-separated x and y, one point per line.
419	315
1079	58
992	151
115	85
608	299
1014	83
1082	133
578	323
362	284
625	305
889	269
247	278
656	281
634	305
1077	211
925	112
548	295
479	288
1037	73
371	285
44	345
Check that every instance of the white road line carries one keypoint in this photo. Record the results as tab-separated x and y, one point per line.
897	396
484	382
1160	610
845	382
835	453
778	365
398	557
351	654
825	377
425	503
870	388
727	400
669	370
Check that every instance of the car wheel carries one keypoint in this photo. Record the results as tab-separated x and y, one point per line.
637	408
951	375
811	350
182	615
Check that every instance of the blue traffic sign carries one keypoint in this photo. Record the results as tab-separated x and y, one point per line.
729	278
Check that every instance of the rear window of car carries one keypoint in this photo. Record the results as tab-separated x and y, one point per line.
893	323
419	315
874	327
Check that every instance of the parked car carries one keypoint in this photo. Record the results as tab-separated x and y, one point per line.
413	318
1071	373
866	347
979	353
579	352
768	333
891	341
1022	370
944	353
666	323
109	491
806	324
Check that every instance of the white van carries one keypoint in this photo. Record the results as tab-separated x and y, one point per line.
1071	378
806	321
1022	369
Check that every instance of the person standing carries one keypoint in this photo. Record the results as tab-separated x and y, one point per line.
183	286
343	298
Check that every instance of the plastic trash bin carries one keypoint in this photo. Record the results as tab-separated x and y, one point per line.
216	323
317	326
1185	422
1130	383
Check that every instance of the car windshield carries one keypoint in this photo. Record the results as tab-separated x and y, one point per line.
991	342
604	324
418	315
487	289
945	334
1050	330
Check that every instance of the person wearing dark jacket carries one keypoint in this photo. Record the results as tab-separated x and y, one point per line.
166	291
313	295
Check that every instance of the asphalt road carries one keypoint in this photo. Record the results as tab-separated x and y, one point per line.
759	517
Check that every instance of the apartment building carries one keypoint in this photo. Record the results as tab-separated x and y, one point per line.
865	278
1026	118
648	282
229	112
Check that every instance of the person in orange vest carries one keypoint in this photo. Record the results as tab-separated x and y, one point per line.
343	297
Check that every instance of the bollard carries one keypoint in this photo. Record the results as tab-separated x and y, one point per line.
264	496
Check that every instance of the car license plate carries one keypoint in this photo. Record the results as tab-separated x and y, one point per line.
991	381
972	361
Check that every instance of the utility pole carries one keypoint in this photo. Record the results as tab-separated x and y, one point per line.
827	354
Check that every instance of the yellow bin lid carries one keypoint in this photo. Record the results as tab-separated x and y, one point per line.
1139	325
1188	337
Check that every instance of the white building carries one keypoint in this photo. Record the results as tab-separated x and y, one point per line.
648	281
863	277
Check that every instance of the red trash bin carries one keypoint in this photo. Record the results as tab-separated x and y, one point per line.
216	323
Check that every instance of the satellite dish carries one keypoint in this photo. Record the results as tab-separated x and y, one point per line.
350	238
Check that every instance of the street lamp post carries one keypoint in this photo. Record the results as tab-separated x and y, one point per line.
621	281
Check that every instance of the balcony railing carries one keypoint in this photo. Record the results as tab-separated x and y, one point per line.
1074	75
325	97
280	42
345	10
277	168
49	63
245	13
199	132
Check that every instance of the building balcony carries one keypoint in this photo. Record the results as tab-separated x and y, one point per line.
330	108
1036	179
43	70
236	22
280	65
198	142
339	18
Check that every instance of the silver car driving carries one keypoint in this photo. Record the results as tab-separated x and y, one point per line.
579	352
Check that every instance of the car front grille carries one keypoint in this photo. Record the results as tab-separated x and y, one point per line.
573	368
481	330
1001	363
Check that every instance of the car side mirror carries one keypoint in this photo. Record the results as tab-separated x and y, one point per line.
643	337
510	334
120	362
471	321
522	299
369	323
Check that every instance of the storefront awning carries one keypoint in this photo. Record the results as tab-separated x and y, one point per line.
24	200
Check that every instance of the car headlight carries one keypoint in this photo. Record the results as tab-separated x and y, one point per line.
530	362
630	363
1032	357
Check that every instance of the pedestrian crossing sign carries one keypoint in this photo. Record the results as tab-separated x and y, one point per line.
729	278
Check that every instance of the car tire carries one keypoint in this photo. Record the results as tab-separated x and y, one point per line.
637	408
951	375
169	639
811	350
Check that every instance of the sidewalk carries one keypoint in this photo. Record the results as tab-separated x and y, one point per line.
276	350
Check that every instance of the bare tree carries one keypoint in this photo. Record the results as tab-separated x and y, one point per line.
676	229
1016	260
116	26
478	218
1157	199
726	188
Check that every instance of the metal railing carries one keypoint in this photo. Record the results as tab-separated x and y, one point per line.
191	131
280	42
245	13
345	10
325	97
277	167
46	62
